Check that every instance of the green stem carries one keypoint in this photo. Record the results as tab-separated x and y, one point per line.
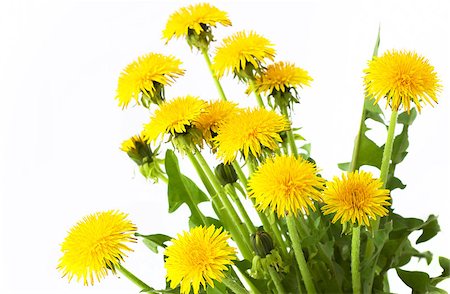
257	95
201	173
356	243
240	173
253	288
248	222
276	280
133	278
387	153
233	285
216	81
241	236
290	134
277	233
297	247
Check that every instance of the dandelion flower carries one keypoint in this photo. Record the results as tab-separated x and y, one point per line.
282	76
198	257
216	113
249	131
194	18
241	49
402	77
286	185
146	76
95	245
355	198
174	117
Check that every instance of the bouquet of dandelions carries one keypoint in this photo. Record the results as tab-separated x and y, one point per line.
313	235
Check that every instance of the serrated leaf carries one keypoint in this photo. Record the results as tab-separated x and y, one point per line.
429	229
154	241
406	118
419	282
395	183
369	153
181	189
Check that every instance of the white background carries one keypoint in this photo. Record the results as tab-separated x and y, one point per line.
61	128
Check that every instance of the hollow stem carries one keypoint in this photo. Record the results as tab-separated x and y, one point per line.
289	133
257	95
130	276
241	236
356	243
276	280
299	256
234	286
387	153
216	80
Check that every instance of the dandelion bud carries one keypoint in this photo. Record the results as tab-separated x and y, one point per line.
262	243
226	174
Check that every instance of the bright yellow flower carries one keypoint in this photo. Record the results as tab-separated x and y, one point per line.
281	76
402	77
198	257
195	18
174	117
286	185
130	144
355	198
145	77
215	115
249	131
240	49
95	245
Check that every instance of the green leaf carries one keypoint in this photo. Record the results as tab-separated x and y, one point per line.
181	189
154	241
429	229
369	153
419	282
345	166
394	183
445	265
406	118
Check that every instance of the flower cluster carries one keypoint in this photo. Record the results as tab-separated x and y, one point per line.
298	210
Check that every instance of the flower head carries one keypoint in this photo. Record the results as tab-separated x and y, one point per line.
242	53
282	76
142	154
95	245
194	23
355	198
216	113
249	131
286	184
402	77
174	117
145	78
198	257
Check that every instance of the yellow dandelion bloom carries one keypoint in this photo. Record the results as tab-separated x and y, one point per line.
282	76
216	113
129	145
198	257
95	245
145	77
249	131
402	77
241	49
286	185
194	18
174	117
355	198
